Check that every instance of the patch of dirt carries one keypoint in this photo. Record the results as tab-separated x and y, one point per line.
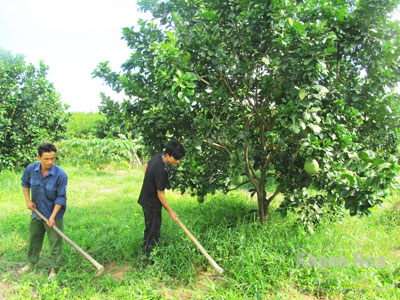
5	290
180	293
204	281
116	271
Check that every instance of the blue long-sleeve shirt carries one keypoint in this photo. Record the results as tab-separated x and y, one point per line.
46	191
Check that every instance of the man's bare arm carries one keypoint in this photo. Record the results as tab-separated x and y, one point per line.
164	202
52	220
27	194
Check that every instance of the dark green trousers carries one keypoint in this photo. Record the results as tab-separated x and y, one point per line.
37	230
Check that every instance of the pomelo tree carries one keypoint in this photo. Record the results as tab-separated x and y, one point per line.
30	110
255	88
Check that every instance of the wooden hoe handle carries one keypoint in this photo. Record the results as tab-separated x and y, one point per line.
209	258
98	266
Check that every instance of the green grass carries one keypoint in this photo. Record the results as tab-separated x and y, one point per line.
260	262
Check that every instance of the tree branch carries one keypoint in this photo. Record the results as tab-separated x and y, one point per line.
269	158
250	172
227	85
201	78
218	146
238	186
269	200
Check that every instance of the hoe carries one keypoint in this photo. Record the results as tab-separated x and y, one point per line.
98	266
217	268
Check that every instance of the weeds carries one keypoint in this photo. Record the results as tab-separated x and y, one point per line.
276	261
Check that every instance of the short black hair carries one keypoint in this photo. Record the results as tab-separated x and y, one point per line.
175	149
46	147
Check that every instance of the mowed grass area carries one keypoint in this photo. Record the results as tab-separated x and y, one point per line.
353	259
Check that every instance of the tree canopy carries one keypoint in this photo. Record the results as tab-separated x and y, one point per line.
117	118
256	88
30	110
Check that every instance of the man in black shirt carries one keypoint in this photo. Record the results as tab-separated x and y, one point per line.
152	197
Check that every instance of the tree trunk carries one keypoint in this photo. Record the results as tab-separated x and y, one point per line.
264	203
266	211
262	207
139	164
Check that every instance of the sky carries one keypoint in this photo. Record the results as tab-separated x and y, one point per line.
71	37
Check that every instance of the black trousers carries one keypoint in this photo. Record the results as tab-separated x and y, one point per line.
152	221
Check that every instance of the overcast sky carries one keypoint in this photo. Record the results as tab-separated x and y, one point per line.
71	37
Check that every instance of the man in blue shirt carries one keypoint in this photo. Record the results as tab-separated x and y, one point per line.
45	188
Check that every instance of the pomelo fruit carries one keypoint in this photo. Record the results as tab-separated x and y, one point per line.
237	180
311	166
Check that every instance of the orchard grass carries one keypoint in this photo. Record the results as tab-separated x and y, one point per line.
357	258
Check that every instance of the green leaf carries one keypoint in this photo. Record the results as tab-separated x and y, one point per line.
378	161
302	94
366	155
315	128
385	166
